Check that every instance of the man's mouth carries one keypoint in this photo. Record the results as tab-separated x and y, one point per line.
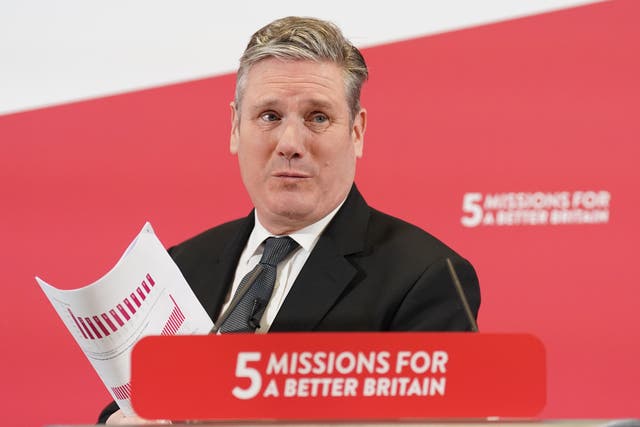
291	174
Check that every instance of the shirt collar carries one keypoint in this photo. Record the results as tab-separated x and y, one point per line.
306	237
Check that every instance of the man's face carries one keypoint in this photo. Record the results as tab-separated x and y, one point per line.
295	141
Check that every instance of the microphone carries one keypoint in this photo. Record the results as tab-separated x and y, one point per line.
254	317
461	295
238	296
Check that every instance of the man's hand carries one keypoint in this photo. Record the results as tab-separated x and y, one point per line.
118	418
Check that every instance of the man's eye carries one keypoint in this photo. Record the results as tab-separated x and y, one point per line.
319	118
269	117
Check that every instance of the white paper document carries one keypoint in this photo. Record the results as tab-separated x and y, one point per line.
143	294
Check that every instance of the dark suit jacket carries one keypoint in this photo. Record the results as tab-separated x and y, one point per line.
368	272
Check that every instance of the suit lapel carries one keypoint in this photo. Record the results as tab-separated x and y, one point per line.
327	272
219	277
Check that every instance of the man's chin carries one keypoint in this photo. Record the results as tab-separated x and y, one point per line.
292	210
294	197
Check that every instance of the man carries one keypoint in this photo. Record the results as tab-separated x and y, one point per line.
298	129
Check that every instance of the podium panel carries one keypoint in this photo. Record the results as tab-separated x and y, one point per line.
339	376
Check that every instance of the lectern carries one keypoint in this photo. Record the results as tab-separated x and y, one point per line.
339	376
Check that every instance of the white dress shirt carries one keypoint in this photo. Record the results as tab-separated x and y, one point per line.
287	270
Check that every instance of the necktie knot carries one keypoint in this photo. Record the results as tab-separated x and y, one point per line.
276	249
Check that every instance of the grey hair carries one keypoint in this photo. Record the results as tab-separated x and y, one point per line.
297	38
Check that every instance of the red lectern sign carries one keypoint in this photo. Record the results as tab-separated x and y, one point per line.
320	376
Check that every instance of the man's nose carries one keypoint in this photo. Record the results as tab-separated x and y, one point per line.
291	139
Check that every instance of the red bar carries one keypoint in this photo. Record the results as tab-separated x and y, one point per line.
129	306
108	321
177	310
93	328
113	314
77	324
166	329
142	295
177	322
173	323
85	328
116	392
145	286
135	299
104	330
151	281
123	311
122	392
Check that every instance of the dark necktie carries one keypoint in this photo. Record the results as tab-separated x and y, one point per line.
254	292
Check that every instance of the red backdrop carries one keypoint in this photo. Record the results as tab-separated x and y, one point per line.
544	104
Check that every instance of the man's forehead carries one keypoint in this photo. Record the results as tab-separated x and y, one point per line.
275	74
310	101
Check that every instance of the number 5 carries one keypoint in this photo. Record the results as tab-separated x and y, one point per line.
243	371
471	205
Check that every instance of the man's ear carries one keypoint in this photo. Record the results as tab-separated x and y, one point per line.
235	124
359	127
